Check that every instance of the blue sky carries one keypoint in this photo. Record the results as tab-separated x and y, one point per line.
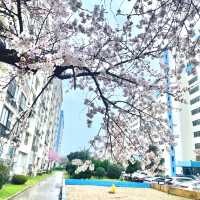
76	133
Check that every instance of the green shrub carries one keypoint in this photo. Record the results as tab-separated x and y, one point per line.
101	163
100	172
19	179
4	174
114	171
70	168
85	175
59	168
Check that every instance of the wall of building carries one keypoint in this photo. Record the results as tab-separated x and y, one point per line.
37	133
60	131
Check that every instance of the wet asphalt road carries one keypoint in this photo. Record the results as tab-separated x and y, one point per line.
46	190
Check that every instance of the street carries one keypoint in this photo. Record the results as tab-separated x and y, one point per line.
47	189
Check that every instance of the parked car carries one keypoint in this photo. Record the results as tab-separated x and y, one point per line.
138	176
183	182
196	185
125	176
158	180
189	176
148	179
168	181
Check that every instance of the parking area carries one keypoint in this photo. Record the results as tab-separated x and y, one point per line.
102	193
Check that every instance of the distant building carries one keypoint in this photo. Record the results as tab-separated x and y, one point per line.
60	130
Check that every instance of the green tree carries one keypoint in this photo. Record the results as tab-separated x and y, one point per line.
114	171
4	174
101	163
100	172
70	168
133	167
82	155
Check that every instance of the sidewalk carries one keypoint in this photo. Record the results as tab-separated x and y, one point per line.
48	189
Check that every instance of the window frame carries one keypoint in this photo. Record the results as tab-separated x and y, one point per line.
6	122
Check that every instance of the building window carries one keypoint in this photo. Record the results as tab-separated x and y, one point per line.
196	122
195	100
195	111
172	158
197	158
22	160
26	138
12	89
22	102
170	116
12	93
11	152
35	143
1	149
197	134
6	116
173	170
190	69
192	80
194	89
197	146
36	84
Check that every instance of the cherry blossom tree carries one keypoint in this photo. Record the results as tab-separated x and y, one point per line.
118	63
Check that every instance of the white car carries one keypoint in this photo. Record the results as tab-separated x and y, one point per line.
196	185
183	182
138	175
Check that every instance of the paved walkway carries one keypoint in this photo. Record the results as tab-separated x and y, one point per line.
48	189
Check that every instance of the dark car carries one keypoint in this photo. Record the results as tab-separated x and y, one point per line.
159	180
168	181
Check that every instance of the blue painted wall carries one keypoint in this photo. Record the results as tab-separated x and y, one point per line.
169	113
106	183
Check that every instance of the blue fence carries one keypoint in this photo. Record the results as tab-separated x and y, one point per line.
106	183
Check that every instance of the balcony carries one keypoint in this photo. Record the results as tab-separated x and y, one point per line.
4	130
11	100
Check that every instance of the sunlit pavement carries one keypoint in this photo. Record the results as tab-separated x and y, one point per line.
102	193
46	190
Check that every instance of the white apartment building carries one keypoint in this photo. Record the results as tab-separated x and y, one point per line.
185	123
27	148
194	101
36	135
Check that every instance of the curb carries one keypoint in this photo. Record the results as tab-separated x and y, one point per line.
64	195
18	193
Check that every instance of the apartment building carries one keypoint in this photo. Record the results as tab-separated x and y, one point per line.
14	100
184	121
59	132
27	148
